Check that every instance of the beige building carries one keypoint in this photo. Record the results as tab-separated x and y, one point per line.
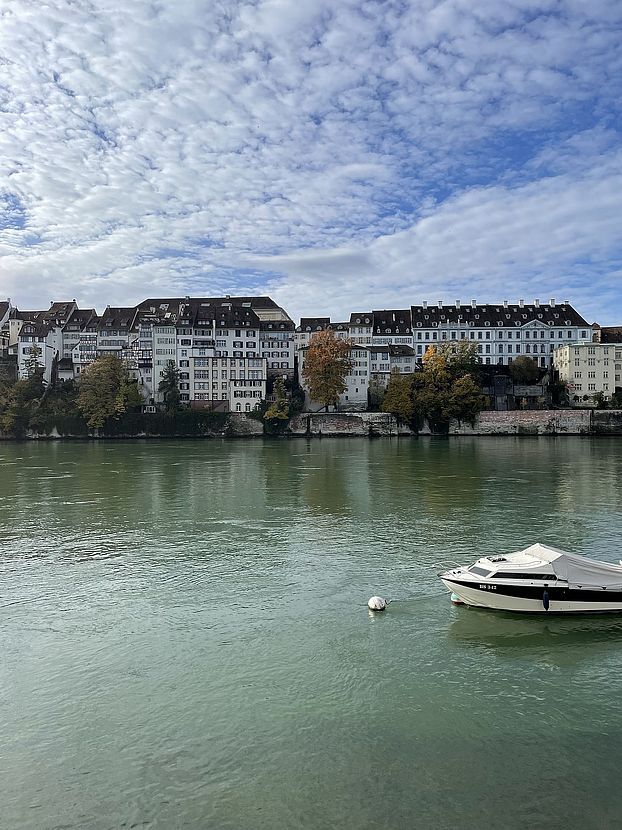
589	368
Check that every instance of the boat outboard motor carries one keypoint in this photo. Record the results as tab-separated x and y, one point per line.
545	598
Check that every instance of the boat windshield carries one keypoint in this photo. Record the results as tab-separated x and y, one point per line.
479	571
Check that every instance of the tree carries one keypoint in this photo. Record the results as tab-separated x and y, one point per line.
524	370
461	358
169	387
600	402
279	410
326	365
34	372
106	391
375	393
398	398
440	393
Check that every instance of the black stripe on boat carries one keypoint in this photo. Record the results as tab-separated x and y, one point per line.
556	593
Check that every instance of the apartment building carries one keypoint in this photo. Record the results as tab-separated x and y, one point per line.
500	331
588	369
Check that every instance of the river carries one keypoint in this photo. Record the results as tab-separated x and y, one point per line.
185	640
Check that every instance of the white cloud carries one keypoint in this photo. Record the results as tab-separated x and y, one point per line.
356	153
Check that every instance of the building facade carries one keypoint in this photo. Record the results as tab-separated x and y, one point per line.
588	369
500	331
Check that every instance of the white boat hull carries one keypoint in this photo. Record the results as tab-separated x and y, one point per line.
507	598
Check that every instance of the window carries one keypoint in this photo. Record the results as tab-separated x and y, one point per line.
479	571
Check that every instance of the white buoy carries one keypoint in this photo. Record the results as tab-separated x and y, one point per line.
377	604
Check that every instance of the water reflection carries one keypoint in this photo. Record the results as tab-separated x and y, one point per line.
564	640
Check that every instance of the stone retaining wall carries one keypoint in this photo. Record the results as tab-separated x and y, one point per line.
536	422
373	424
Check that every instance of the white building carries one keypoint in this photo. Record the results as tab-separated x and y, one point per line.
588	369
390	358
501	331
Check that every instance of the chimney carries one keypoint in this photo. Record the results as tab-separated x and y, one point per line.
473	303
505	304
521	303
440	303
552	302
425	303
536	303
457	303
566	302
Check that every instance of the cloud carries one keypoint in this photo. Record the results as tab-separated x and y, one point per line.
356	153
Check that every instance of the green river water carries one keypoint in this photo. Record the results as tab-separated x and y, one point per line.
186	644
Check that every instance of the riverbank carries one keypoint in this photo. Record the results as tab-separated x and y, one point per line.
557	422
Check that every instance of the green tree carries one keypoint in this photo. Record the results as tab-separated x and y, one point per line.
279	409
34	372
106	391
326	365
375	393
169	388
524	370
440	393
461	358
398	397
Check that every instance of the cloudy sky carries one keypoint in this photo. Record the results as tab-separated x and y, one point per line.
338	154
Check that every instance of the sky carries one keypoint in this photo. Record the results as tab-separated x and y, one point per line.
339	155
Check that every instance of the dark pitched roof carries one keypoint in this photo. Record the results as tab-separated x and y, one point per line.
396	350
277	325
35	328
16	314
80	317
611	334
117	318
60	312
361	318
392	321
65	364
197	311
4	307
495	314
314	323
339	326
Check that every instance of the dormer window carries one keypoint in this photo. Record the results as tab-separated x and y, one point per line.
487	323
507	316
418	325
426	316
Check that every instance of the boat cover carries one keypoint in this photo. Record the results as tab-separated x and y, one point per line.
579	571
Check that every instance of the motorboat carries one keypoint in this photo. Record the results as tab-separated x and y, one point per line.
539	579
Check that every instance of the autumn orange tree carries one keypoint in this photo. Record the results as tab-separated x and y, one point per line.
327	362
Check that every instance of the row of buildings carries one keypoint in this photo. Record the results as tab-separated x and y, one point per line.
225	348
228	349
